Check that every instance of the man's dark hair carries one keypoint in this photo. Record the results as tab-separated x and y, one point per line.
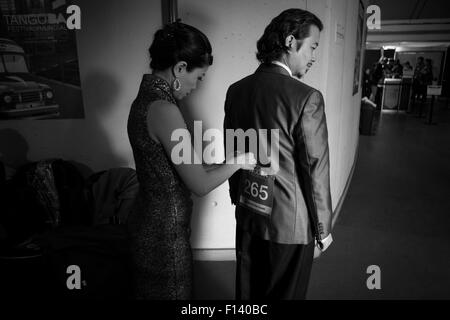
180	42
294	22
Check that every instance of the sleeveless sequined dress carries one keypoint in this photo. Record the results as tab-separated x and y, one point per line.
159	224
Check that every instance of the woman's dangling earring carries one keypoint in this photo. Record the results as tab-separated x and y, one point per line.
176	85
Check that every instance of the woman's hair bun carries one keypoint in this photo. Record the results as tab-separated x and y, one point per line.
177	41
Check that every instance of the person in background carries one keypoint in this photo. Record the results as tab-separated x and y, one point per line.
428	72
407	66
418	82
397	69
159	224
387	69
375	80
366	83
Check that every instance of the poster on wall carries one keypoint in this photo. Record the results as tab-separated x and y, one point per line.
39	73
359	43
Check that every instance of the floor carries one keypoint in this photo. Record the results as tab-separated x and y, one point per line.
396	216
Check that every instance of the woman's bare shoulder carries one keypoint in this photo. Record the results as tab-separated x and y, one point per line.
163	116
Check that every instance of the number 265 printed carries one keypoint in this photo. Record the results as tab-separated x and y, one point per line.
255	190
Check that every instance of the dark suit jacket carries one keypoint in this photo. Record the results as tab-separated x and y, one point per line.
271	99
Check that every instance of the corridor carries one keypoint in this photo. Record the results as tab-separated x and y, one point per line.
396	215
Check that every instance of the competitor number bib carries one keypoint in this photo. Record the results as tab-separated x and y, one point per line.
256	192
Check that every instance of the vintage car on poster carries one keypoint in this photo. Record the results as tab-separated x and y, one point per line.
21	95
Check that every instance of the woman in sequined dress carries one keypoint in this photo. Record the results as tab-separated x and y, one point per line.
159	224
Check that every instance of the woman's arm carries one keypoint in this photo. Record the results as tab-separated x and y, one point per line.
212	166
163	119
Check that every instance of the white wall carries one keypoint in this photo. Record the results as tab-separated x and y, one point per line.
349	110
112	52
233	28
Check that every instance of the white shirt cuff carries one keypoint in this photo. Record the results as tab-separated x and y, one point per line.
326	242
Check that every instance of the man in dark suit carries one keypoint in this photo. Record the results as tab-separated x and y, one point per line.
283	219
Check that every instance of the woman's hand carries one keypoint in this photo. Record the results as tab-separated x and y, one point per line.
317	252
246	161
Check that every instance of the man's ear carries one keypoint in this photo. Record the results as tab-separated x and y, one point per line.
179	68
289	41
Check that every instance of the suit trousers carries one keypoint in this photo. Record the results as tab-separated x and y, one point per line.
271	271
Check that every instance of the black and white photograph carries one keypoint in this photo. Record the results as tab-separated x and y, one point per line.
226	156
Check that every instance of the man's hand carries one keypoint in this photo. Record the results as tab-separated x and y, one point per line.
317	252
